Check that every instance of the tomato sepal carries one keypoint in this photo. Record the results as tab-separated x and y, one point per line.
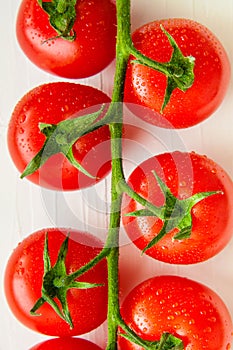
56	283
60	138
175	213
62	15
166	342
179	70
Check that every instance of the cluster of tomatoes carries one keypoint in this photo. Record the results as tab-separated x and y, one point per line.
179	306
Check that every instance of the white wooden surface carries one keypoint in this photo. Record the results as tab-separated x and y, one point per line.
25	208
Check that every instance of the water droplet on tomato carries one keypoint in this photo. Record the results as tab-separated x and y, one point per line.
192	321
20	271
21	130
177	326
195	336
159	291
64	108
177	313
170	317
175	305
212	319
208	330
22	118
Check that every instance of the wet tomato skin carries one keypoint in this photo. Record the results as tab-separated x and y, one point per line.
145	87
185	173
67	343
52	103
24	275
185	308
91	51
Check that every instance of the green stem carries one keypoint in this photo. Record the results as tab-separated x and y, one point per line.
160	67
124	48
123	187
113	237
116	111
103	254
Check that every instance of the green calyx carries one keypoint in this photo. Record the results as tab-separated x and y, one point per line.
175	213
166	342
56	284
62	15
179	70
60	138
169	342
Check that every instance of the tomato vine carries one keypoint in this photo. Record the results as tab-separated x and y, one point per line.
61	137
124	48
179	72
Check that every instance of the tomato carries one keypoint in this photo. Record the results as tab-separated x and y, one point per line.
182	307
145	87
23	282
51	103
66	344
185	174
91	51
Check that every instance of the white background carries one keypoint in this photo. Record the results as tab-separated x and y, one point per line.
24	207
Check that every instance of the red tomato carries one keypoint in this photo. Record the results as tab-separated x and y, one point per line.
66	344
185	174
52	103
23	283
145	87
91	51
182	307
